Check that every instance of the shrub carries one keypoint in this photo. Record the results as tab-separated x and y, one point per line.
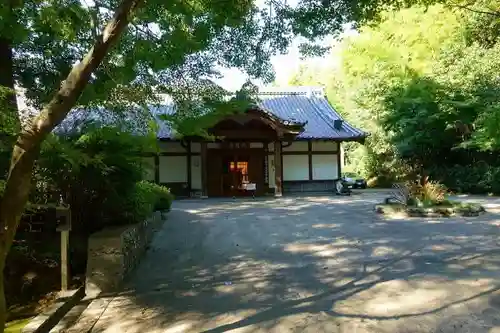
158	197
139	203
144	199
479	178
418	193
427	193
96	171
163	197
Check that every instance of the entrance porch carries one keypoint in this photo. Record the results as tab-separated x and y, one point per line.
237	164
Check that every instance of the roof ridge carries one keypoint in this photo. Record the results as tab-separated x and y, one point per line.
293	90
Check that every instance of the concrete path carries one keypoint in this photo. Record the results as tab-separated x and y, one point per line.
312	264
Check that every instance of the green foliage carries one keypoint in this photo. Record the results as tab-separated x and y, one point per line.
473	178
423	82
428	193
142	200
139	202
95	171
2	187
166	45
483	27
199	107
163	197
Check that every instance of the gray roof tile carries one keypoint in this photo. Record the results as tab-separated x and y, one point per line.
302	104
298	104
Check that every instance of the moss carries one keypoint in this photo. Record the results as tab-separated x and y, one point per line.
445	209
469	209
390	208
16	326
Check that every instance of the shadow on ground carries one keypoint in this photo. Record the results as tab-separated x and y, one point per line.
312	264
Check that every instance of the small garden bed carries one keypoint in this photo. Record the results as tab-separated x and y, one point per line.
446	209
427	199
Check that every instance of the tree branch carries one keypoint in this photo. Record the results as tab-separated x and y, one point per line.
478	11
27	148
147	32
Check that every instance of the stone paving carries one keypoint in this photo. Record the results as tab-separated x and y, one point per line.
312	264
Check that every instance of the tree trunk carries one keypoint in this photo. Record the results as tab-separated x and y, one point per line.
27	147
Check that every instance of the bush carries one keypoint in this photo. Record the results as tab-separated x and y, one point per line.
480	178
163	197
139	202
157	195
144	199
430	193
97	171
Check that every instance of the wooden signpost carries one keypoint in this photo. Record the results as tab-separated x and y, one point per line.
63	217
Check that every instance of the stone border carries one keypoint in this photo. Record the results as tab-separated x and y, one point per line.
114	252
45	321
394	209
89	317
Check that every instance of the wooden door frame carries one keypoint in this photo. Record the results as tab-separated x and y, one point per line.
233	153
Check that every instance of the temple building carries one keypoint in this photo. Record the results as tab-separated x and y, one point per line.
290	142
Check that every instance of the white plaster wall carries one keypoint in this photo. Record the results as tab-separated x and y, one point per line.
297	146
325	167
173	169
171	147
324	146
270	171
149	168
196	172
195	147
295	167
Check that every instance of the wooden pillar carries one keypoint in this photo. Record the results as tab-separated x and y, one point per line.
203	158
310	159
64	260
339	159
278	170
63	217
266	165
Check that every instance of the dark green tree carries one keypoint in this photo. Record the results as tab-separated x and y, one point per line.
118	55
423	82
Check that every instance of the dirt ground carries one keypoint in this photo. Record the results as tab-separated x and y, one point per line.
313	264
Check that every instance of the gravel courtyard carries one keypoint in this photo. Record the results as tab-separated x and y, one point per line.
312	264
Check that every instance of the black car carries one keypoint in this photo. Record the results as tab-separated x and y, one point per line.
355	183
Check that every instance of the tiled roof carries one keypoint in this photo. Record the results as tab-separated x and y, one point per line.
294	104
298	104
309	104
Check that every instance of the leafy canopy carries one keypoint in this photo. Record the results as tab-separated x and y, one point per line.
423	82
